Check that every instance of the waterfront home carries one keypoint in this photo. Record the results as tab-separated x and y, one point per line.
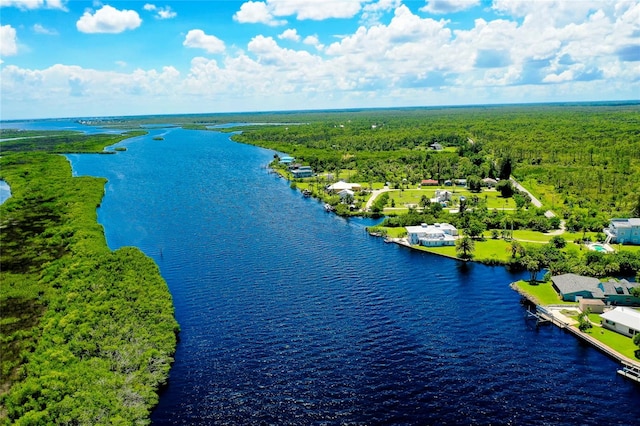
285	159
342	185
623	231
619	292
572	288
622	320
302	172
438	234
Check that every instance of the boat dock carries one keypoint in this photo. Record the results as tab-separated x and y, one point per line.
543	316
630	371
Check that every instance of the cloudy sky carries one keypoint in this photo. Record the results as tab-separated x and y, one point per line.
62	58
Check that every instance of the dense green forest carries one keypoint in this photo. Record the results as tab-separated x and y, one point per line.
88	334
65	142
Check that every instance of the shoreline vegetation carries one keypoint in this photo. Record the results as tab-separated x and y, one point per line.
532	187
88	334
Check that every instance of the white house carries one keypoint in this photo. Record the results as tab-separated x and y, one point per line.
342	185
442	196
623	231
438	234
622	320
346	193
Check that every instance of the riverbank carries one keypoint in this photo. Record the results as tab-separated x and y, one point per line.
560	315
88	334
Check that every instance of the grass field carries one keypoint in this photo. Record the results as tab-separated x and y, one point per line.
617	341
413	196
490	251
542	293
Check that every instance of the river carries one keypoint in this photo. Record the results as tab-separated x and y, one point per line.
291	315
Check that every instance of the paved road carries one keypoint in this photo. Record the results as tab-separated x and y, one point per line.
374	195
519	187
537	203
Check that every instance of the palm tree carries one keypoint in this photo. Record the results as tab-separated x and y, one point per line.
516	249
464	247
532	265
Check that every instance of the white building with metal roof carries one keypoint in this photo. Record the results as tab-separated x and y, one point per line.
622	320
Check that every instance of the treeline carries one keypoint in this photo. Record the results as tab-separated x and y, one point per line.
582	160
87	334
64	142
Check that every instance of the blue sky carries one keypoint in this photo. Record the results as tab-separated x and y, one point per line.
64	58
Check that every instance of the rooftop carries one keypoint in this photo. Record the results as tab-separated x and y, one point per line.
625	316
572	283
619	222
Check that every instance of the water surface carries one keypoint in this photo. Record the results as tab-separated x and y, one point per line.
291	315
5	191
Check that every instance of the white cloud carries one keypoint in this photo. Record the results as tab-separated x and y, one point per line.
449	6
289	34
34	4
85	91
316	10
559	78
108	20
408	60
256	12
8	41
267	12
372	12
198	39
39	29
313	40
161	12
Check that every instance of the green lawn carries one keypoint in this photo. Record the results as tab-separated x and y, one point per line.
488	251
412	196
633	249
543	293
616	341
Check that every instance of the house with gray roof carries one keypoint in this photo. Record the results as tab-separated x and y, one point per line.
573	287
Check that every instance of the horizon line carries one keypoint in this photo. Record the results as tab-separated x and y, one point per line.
621	102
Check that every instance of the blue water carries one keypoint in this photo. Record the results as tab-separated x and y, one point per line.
5	191
291	315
